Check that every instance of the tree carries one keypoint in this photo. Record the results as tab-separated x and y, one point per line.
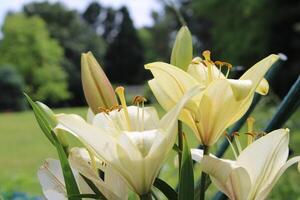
11	87
125	57
27	45
74	35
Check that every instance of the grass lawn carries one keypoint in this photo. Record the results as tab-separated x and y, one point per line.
23	148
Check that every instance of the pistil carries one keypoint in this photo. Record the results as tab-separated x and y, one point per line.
120	93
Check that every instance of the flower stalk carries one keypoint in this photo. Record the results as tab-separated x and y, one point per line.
146	196
180	144
203	176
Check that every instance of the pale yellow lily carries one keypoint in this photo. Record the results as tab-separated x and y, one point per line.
256	170
222	102
132	140
53	185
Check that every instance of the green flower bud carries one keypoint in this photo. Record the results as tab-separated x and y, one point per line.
98	91
182	52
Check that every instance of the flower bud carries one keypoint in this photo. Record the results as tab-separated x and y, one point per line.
97	89
182	52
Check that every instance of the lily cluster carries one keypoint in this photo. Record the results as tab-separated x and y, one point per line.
123	147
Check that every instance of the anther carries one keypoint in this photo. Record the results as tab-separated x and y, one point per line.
138	99
105	110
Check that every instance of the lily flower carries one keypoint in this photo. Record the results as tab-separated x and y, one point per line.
221	103
130	139
256	170
103	177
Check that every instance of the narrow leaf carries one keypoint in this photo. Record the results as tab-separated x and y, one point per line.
165	188
186	181
93	187
43	119
89	196
70	182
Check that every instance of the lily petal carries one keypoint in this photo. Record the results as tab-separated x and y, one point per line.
161	96
218	109
174	81
52	181
113	187
240	88
258	71
230	178
90	116
262	167
267	188
199	72
263	87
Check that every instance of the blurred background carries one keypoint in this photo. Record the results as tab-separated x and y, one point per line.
41	43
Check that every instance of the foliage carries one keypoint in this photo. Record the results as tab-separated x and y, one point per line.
75	37
35	56
11	87
124	57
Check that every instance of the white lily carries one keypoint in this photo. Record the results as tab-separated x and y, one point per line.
222	102
132	140
256	170
53	185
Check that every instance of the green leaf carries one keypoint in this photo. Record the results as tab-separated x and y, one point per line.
165	188
177	149
182	52
44	120
88	196
186	181
70	182
94	188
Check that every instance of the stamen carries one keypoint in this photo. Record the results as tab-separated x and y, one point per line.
120	93
229	66
237	142
220	65
231	145
93	161
137	100
251	134
105	110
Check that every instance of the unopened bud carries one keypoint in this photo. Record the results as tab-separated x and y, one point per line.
98	91
182	52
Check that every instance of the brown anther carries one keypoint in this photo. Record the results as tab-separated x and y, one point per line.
105	110
228	65
229	137
138	99
235	133
251	134
197	121
222	63
116	107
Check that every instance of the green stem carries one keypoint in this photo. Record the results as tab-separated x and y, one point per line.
180	144
147	196
203	176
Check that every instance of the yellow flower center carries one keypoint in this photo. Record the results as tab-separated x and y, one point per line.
210	66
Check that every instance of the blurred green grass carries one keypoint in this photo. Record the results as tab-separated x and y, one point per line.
23	148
